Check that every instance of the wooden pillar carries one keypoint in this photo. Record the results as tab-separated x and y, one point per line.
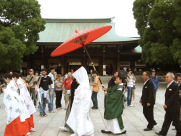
46	58
118	59
43	56
62	70
63	65
103	58
132	64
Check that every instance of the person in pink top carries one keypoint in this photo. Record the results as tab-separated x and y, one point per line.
66	88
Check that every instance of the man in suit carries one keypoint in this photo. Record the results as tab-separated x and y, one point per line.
171	106
148	100
179	86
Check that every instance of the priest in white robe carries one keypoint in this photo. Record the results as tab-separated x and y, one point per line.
79	120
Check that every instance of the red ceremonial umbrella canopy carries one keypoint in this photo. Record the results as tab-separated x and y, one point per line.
80	39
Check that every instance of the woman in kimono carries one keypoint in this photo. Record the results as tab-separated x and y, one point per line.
79	120
24	93
16	119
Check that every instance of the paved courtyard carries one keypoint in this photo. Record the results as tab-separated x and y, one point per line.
133	118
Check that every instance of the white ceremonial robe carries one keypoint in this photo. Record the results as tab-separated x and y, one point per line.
79	120
113	126
24	93
22	106
11	103
16	117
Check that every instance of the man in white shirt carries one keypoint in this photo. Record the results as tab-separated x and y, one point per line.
51	104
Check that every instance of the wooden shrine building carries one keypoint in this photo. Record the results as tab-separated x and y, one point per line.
109	52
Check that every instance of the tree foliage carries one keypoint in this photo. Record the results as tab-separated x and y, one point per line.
20	23
158	24
176	48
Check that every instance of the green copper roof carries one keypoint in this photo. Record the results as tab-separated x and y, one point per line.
59	30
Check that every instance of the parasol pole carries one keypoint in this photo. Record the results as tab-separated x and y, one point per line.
89	57
91	61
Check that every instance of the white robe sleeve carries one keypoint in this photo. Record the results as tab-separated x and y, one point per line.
11	106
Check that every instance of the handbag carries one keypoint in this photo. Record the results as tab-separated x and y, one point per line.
68	91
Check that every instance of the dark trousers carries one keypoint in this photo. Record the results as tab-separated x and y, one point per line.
33	95
169	117
94	99
155	95
148	113
58	98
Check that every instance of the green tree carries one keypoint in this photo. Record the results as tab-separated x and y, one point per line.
141	10
20	23
176	48
160	38
161	17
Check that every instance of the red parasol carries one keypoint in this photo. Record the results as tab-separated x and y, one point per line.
80	39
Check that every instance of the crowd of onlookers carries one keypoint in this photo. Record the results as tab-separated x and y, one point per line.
56	84
61	84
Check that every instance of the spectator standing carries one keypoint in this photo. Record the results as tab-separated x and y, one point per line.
30	79
36	79
95	90
154	79
58	91
36	75
130	79
45	91
134	88
66	88
51	104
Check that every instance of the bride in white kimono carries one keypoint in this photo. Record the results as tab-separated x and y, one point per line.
79	120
